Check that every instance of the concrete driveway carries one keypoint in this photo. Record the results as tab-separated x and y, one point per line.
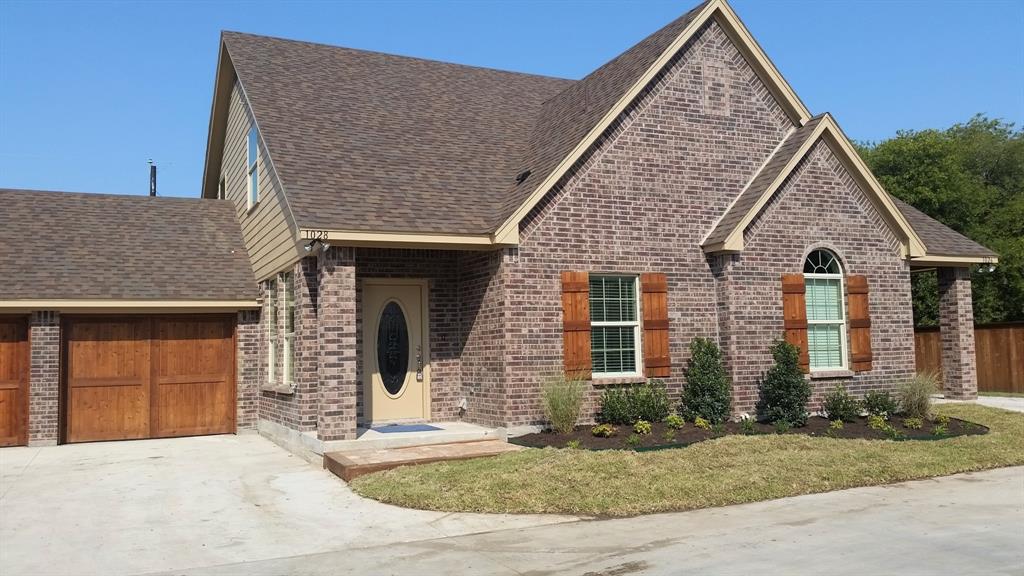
155	505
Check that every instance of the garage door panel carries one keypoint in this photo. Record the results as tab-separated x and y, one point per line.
13	381
157	377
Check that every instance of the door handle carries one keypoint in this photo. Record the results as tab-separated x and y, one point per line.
419	363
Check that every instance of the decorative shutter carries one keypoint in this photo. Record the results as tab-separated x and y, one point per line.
576	324
794	314
860	323
654	288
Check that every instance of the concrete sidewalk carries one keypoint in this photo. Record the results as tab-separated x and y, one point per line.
116	508
970	524
1014	403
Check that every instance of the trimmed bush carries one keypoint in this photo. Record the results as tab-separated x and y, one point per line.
603	430
916	395
708	392
563	401
648	401
880	404
702	423
674	421
784	390
839	405
642	427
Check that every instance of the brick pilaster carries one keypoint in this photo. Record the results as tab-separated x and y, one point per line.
336	314
44	379
247	342
956	323
307	343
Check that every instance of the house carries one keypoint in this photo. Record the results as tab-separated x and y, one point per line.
429	241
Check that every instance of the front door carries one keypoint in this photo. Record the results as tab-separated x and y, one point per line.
396	371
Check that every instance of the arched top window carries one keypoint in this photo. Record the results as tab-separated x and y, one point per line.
822	262
826	313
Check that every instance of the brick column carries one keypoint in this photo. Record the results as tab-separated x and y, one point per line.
336	315
247	342
307	343
956	323
44	378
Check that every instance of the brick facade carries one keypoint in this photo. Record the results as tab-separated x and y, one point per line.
956	327
44	379
336	315
247	384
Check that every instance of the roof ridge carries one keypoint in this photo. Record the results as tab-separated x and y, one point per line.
101	194
393	55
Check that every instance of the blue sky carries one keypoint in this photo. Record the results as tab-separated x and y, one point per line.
90	90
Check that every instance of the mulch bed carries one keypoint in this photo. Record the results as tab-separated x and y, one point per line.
689	434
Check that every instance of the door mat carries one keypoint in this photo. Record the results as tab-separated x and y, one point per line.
405	428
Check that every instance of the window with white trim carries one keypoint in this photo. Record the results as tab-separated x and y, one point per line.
826	311
288	278
270	309
614	326
252	167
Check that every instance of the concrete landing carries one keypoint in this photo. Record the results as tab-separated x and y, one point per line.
352	463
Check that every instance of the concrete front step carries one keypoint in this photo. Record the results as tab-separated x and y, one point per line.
352	463
448	433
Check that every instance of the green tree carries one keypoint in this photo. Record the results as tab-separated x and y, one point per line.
970	177
708	392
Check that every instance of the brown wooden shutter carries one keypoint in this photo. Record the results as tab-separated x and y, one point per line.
576	324
657	361
794	314
860	323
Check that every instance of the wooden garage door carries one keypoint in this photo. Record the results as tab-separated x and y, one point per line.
13	381
149	377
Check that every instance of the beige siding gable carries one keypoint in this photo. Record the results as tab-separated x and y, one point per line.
268	229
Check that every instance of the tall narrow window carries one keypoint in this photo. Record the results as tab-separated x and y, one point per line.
271	322
614	326
288	279
253	172
826	313
220	189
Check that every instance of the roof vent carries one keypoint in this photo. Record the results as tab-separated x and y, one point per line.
522	176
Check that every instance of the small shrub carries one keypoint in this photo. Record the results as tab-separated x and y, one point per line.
942	420
916	395
784	390
573	444
880	404
642	427
708	392
833	428
648	401
913	423
603	430
747	426
940	430
670	436
674	421
701	423
840	406
563	400
877	422
782	426
718	428
633	440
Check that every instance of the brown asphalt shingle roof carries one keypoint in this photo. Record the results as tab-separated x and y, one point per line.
62	245
769	172
938	238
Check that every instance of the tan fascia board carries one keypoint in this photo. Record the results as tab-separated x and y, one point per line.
217	129
127	306
939	260
726	18
406	239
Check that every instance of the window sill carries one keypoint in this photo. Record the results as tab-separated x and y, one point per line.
278	388
617	380
826	374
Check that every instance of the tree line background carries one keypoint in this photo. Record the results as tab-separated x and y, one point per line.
970	177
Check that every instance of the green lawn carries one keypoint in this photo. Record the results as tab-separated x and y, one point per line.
729	470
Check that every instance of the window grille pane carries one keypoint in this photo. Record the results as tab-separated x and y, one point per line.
612	299
824	299
824	345
253	147
613	349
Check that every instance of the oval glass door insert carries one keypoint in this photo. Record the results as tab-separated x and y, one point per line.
392	348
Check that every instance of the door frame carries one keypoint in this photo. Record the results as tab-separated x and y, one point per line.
367	382
64	390
24	385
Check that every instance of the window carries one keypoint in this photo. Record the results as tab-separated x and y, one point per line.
614	326
271	311
826	314
220	189
253	174
288	279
